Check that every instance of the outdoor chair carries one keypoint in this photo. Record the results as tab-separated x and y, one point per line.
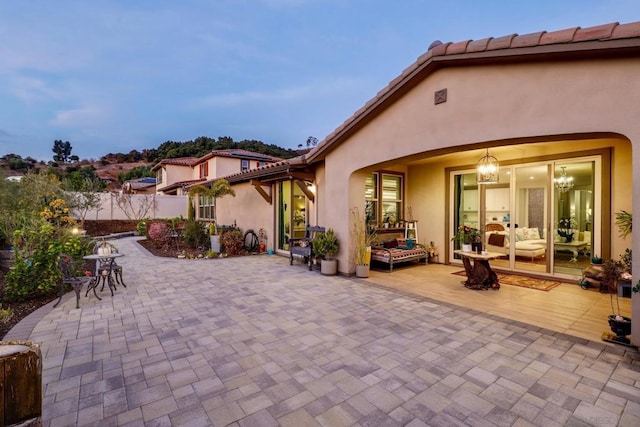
72	274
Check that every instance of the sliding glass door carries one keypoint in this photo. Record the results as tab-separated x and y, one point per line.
542	217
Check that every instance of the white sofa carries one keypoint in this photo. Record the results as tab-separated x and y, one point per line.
528	242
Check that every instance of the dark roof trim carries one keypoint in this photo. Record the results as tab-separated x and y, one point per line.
610	40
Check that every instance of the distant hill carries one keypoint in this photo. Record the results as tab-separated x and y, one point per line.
112	165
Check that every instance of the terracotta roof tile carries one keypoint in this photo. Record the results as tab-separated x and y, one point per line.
478	45
560	36
595	33
424	57
503	42
458	47
624	31
441	49
527	40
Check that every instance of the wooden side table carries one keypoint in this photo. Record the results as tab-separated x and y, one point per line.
480	275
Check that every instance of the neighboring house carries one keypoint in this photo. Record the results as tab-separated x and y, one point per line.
551	107
146	185
175	175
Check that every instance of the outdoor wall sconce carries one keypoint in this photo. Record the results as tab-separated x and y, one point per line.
488	169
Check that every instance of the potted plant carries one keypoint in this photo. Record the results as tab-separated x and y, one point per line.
219	188
465	236
620	325
326	246
362	236
262	240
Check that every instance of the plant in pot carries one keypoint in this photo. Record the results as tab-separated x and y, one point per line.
326	246
219	188
362	236
620	325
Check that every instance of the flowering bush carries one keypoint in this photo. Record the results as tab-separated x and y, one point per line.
159	232
232	242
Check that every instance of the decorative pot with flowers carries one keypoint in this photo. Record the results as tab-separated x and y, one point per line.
566	228
465	237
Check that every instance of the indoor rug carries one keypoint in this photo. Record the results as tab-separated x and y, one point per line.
522	281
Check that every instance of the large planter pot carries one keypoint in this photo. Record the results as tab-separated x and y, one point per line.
215	243
362	270
620	326
329	267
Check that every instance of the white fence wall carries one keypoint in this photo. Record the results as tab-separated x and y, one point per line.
165	207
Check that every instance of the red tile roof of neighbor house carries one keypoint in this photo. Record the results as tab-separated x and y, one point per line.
239	153
179	161
571	43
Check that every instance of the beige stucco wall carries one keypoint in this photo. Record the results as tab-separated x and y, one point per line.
172	174
486	104
249	210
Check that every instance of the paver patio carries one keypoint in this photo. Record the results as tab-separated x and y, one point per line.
253	341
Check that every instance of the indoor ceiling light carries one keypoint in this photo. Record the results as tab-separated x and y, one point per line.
488	169
564	183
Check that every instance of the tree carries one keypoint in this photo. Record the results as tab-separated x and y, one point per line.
218	189
136	207
61	150
85	197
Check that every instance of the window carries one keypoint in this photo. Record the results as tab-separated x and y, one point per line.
384	202
244	165
159	176
204	169
371	197
205	208
391	198
261	164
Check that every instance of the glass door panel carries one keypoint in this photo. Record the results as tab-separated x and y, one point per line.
496	221
466	205
530	246
573	217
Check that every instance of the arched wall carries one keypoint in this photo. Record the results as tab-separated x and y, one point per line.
489	105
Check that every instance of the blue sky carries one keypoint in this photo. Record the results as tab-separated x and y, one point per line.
114	76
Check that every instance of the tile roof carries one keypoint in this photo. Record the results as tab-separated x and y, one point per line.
555	44
178	161
240	154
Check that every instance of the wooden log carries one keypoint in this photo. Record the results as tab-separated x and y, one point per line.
20	384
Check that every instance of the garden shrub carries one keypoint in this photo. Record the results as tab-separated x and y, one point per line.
141	228
232	242
159	232
194	234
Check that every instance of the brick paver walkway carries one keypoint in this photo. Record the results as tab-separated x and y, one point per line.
253	341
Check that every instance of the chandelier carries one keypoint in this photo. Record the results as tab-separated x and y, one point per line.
488	169
564	183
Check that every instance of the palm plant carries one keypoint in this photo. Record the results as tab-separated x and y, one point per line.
219	188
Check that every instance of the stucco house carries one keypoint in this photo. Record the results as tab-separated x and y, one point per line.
557	110
173	176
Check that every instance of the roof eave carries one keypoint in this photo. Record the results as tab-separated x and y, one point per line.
419	71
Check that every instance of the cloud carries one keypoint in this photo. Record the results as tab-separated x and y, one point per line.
87	116
288	94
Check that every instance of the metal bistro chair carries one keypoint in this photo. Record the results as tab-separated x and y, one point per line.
70	269
112	265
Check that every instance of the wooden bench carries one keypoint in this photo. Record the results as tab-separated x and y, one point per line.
303	246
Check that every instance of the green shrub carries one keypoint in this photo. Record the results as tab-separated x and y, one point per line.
141	227
194	234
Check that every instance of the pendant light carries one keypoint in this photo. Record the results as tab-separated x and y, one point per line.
488	169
